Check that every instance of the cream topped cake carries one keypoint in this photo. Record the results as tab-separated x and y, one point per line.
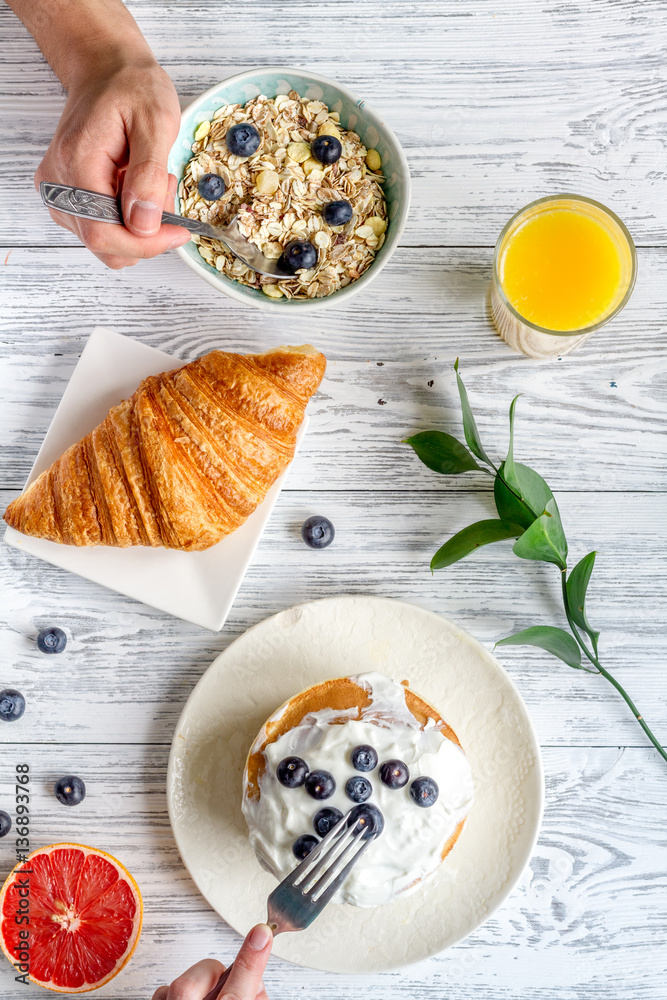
352	740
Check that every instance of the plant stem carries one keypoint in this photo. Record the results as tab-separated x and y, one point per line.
607	676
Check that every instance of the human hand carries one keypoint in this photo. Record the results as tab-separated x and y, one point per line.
114	135
245	980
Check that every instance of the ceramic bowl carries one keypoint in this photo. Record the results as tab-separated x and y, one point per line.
354	114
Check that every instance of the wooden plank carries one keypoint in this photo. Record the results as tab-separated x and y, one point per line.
129	669
494	105
595	892
488	124
581	420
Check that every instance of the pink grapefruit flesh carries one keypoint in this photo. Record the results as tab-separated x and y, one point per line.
85	914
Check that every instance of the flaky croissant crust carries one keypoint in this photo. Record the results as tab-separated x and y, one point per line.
184	461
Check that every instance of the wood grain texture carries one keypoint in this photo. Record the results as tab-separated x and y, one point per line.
596	882
124	658
494	104
386	378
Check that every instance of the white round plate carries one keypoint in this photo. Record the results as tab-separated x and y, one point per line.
332	638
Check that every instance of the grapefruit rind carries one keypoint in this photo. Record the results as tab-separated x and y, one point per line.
137	918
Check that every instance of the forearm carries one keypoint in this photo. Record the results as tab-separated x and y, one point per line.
80	38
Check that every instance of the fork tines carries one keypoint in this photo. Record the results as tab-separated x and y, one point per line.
321	873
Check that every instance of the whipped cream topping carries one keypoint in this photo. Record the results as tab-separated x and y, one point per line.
409	849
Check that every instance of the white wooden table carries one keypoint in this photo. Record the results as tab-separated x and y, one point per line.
495	104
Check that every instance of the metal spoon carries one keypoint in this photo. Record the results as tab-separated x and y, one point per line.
105	208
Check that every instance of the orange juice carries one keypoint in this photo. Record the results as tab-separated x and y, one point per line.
563	265
562	270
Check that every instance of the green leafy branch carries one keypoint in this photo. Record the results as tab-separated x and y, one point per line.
528	512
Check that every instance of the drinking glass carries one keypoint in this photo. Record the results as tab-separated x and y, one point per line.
537	341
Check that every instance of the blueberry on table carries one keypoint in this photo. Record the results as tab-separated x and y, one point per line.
211	187
302	847
318	532
320	784
292	771
424	792
51	640
394	774
325	820
70	790
368	816
298	254
327	149
337	213
5	823
12	705
243	139
358	789
364	758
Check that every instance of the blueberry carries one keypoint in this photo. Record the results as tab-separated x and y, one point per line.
326	148
394	774
5	823
370	817
302	846
51	640
70	790
12	705
337	213
358	789
243	139
364	758
292	772
424	792
211	187
296	255
325	820
318	532
320	784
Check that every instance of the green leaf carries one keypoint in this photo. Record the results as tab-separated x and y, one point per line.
471	538
469	425
509	506
509	469
442	452
555	640
529	487
545	539
576	587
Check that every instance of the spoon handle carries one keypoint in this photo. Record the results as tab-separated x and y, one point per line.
102	207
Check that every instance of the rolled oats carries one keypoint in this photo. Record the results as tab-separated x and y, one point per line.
278	194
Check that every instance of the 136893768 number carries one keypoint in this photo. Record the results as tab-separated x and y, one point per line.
22	812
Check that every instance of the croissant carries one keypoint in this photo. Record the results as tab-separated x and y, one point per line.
184	461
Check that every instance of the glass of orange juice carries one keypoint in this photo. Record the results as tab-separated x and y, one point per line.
563	267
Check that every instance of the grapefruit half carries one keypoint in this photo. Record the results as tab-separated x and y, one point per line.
85	913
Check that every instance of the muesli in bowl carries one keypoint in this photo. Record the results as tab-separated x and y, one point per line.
347	113
306	191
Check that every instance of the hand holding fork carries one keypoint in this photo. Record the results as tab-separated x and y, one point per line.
292	906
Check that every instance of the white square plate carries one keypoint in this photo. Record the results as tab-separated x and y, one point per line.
199	587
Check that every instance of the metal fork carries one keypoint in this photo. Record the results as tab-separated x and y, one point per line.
105	208
294	904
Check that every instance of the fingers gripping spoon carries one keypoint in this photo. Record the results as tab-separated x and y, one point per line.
303	894
105	208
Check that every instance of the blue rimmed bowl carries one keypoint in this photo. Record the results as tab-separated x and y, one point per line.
354	114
